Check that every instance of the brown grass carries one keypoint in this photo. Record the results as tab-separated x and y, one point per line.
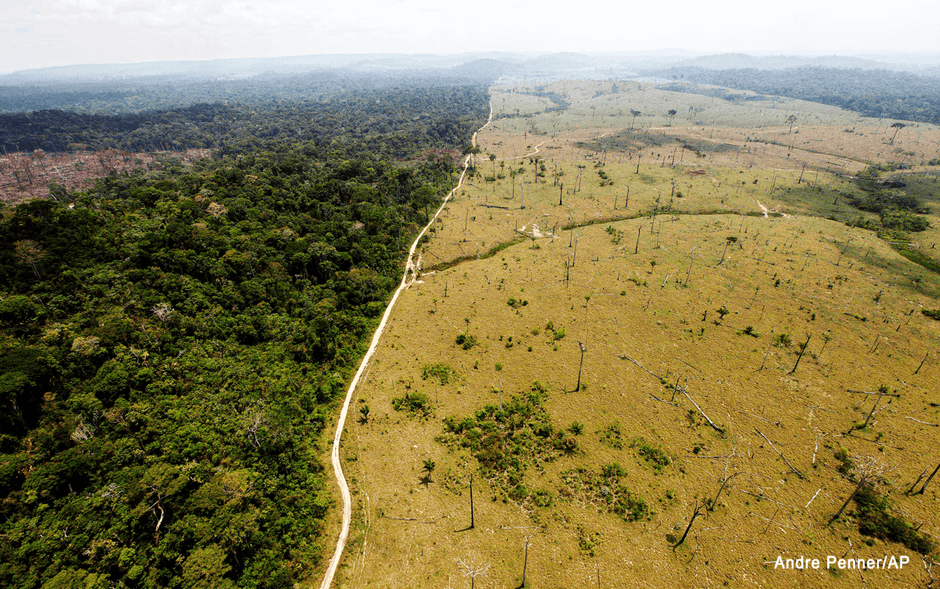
803	276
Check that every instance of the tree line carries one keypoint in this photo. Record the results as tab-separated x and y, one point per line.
871	93
172	344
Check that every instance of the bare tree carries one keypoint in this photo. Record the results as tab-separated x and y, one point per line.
473	570
580	366
869	470
695	514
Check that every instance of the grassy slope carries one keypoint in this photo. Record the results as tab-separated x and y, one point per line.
829	279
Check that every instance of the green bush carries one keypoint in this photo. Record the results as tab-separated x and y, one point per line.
612	435
657	457
416	403
875	520
439	371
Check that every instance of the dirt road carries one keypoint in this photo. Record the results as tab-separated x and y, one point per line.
412	268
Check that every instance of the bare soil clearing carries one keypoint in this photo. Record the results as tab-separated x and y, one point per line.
26	176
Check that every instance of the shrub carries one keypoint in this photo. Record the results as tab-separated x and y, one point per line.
612	435
516	303
440	371
415	403
875	520
845	463
656	456
466	341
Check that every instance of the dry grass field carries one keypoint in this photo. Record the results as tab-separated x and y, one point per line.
665	315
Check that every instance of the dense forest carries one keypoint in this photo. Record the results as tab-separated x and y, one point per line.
872	93
172	344
384	121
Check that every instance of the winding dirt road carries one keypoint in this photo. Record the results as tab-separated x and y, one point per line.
412	268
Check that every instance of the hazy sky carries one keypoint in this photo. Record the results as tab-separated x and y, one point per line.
39	33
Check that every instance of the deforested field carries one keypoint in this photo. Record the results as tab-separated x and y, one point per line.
666	337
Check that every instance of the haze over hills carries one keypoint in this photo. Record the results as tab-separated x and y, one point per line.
586	64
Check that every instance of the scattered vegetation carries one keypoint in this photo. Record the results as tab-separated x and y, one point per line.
415	403
466	341
654	455
507	440
440	372
612	435
604	490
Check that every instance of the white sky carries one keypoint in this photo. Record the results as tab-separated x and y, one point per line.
39	33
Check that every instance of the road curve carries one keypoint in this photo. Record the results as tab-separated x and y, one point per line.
410	274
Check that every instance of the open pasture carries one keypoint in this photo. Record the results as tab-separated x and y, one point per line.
687	328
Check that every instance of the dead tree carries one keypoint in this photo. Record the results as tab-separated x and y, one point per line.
800	357
869	470
930	478
695	514
471	502
780	454
525	562
725	479
580	366
882	391
472	570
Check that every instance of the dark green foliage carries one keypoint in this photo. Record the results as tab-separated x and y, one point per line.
516	303
749	330
506	440
171	347
932	313
899	210
627	140
876	520
379	117
654	455
416	403
554	333
466	341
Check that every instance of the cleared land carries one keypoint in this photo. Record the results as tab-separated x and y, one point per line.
698	312
25	176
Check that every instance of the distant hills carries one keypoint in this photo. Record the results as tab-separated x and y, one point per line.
478	63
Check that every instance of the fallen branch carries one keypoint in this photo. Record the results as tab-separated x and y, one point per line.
641	366
814	497
871	393
779	453
762	496
710	422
